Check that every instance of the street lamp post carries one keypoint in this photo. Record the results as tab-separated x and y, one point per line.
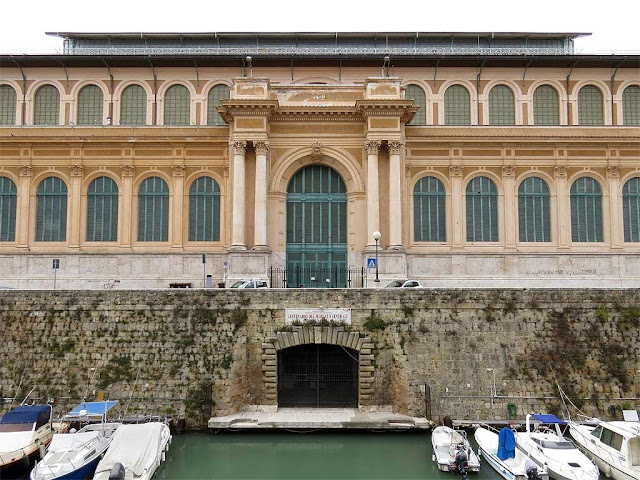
376	237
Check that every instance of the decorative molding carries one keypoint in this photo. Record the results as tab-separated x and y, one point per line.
395	147
178	170
372	146
316	151
456	170
508	171
25	171
262	147
238	147
613	171
127	170
561	171
76	170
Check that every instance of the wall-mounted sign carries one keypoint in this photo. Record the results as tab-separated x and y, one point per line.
317	315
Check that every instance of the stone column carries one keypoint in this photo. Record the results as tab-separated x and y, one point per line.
564	207
260	232
456	204
238	149
373	198
613	175
23	214
178	201
509	184
74	206
127	200
395	198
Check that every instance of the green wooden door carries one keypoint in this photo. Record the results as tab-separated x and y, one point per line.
316	229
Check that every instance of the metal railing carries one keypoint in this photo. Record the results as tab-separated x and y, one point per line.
316	277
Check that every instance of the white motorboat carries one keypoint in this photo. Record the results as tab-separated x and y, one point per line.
452	451
552	452
25	431
500	451
135	452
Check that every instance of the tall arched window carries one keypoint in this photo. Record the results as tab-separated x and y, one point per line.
204	210
8	203
216	94
429	212
415	93
546	106
153	210
586	210
51	210
133	106
7	105
102	210
90	103
482	210
457	106
631	105
590	106
46	109
534	211
631	210
502	110
177	104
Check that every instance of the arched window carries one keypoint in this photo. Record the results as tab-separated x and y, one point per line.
429	213
586	210
46	110
177	103
546	106
631	105
204	210
153	210
8	202
534	211
7	105
102	210
590	107
51	210
415	93
482	210
217	93
502	110
457	106
631	210
90	102
133	106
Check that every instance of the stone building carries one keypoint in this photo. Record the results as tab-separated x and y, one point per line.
482	159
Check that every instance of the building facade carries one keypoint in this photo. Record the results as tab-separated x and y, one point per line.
483	160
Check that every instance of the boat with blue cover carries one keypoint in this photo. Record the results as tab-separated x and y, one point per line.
25	431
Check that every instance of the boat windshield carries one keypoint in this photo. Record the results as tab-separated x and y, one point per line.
16	427
559	445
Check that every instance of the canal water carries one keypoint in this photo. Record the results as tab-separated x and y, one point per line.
334	456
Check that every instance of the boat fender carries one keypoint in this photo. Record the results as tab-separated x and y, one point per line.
117	472
607	470
25	461
42	451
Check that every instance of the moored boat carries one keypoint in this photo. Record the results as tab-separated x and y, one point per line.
452	451
25	431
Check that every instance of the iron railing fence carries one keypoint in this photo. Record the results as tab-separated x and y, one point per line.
317	277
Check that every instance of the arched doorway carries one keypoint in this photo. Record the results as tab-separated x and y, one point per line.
316	228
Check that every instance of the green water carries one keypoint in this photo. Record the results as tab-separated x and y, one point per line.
265	456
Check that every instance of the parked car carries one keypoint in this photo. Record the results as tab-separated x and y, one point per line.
404	284
251	283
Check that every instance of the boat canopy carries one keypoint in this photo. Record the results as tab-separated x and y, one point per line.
90	409
506	444
27	414
548	419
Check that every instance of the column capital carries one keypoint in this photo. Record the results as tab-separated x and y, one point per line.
239	147
127	170
25	171
456	170
561	171
508	171
613	171
372	146
261	147
178	170
395	147
76	170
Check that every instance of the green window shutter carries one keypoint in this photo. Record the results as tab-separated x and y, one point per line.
153	210
457	106
177	104
46	106
90	103
631	105
586	210
102	210
534	211
216	94
546	106
51	210
7	105
482	210
502	109
415	93
133	106
631	210
204	210
8	206
590	106
429	216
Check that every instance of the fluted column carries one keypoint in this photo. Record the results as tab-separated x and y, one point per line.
509	184
564	207
613	175
178	201
127	200
395	198
260	232
373	197
74	206
238	149
23	209
456	204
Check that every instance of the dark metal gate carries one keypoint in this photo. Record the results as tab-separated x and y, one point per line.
318	375
316	277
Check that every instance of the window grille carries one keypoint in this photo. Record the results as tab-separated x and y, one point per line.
7	105
153	210
216	94
590	107
631	210
586	210
8	205
457	106
51	210
415	93
631	105
482	210
133	106
534	212
177	106
47	106
90	104
501	106
204	210
102	210
429	211
546	106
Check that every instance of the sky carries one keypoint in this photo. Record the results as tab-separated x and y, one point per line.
614	24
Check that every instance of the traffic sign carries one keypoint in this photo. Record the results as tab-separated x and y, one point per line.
56	263
371	263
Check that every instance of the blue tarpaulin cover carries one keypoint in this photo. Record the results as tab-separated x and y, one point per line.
506	444
548	418
93	409
27	414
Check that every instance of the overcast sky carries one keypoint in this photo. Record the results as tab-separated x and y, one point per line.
613	23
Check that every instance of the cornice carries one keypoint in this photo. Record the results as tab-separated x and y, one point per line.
232	108
402	108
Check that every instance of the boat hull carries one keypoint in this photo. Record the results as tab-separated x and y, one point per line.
81	473
499	468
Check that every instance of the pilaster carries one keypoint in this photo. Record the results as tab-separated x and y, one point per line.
455	172
74	206
23	208
395	195
178	202
373	198
238	150
509	184
260	220
564	221
613	175
127	203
